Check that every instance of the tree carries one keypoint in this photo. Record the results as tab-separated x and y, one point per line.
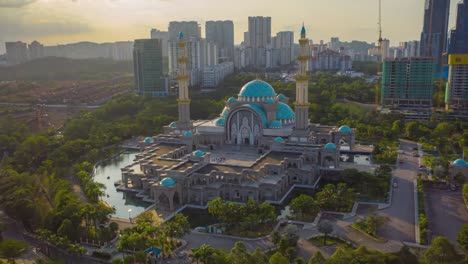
278	258
67	230
2	228
303	204
459	179
441	251
462	237
275	237
465	192
11	249
203	253
178	226
239	254
326	228
317	258
117	261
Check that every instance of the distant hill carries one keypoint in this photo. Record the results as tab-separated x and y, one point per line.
55	68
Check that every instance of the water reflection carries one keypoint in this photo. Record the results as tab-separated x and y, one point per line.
108	173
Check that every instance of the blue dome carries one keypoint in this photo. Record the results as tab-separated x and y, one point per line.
281	96
345	129
148	140
168	182
303	30
279	140
275	124
188	134
260	112
269	101
181	35
460	162
173	125
330	146
220	121
198	153
225	112
284	112
232	100
257	88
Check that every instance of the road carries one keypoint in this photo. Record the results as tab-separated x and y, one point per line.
401	214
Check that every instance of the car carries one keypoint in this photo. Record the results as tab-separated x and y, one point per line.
395	184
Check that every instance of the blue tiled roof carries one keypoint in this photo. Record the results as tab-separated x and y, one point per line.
173	125
148	140
269	101
284	112
167	182
303	30
225	112
188	134
257	88
330	146
198	153
460	162
220	121
275	124
279	140
232	100
281	96
345	129
181	35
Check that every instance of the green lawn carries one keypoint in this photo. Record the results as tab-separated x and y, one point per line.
321	241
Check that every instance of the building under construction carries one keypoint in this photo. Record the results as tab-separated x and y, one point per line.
456	94
407	84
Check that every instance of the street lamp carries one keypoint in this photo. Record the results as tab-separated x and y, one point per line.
130	215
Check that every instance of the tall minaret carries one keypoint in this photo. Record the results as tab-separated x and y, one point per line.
183	80
302	86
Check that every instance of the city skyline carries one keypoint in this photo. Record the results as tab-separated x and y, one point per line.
59	22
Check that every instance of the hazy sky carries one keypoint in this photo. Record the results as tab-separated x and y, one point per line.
64	21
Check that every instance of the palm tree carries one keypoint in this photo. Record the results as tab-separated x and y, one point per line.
204	252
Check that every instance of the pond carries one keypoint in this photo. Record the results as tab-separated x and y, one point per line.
120	200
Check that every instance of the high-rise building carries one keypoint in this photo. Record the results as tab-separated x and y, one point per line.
190	29
214	75
16	52
456	95
459	36
36	50
385	49
164	37
434	34
148	68
121	50
407	83
284	41
334	44
221	33
259	38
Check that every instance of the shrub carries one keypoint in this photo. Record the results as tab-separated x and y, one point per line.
101	255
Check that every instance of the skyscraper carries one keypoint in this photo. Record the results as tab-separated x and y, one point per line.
459	36
407	83
148	68
164	37
259	38
284	43
190	29
36	50
16	52
222	33
434	34
456	94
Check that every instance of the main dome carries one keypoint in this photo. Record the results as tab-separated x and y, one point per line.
257	88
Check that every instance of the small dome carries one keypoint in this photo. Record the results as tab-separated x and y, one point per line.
345	129
279	140
284	112
148	140
275	124
168	182
188	134
181	35
198	153
225	112
173	125
269	101
257	88
330	146
460	162
232	100
220	121
281	96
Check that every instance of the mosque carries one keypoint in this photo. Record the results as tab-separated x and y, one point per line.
258	148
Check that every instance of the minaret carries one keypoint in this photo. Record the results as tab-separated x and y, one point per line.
302	86
183	80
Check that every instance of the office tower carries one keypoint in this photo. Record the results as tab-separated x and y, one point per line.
459	36
221	33
190	29
16	52
148	68
434	34
164	37
259	38
407	83
456	95
385	49
36	50
284	43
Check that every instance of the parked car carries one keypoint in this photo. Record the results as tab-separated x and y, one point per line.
395	184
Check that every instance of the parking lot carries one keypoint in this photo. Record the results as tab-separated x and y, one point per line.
446	213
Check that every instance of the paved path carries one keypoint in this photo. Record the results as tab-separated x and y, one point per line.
196	239
401	214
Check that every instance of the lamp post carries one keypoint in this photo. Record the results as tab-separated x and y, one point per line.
130	215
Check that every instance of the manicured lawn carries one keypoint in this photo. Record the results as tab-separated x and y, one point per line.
319	241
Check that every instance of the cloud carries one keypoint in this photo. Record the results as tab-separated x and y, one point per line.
15	3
